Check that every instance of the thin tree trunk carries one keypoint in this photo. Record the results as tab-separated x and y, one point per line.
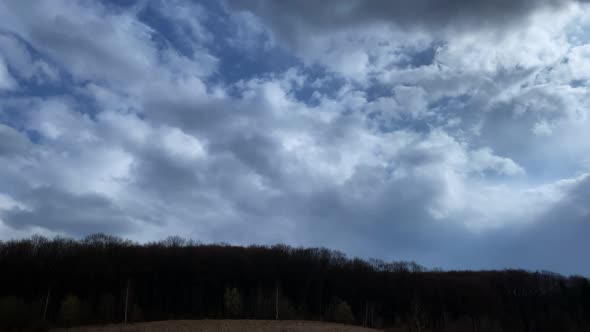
46	304
321	303
417	312
127	300
475	321
373	315
366	313
277	302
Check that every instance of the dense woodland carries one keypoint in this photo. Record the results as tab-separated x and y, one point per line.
104	279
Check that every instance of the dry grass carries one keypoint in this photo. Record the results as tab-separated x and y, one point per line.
223	326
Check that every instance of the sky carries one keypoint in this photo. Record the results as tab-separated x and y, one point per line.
454	133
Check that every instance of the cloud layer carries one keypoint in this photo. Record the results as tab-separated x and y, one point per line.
431	14
453	135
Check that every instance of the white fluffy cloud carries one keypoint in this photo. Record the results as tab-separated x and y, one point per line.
380	139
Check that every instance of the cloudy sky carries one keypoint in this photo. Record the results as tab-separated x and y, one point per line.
455	133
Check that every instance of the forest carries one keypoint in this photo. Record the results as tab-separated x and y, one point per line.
102	279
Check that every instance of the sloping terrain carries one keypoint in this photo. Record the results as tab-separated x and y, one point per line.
223	326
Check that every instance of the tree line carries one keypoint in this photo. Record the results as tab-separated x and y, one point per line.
104	279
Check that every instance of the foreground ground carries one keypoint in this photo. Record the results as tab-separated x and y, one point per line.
223	326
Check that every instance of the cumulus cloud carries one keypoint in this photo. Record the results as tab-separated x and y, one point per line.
376	135
21	61
96	42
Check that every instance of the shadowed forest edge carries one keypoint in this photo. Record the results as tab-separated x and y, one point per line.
104	279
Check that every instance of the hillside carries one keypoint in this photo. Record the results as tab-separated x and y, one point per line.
224	326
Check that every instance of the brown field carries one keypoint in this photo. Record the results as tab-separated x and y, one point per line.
223	326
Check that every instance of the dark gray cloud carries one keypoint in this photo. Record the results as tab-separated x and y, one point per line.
73	214
556	241
289	16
